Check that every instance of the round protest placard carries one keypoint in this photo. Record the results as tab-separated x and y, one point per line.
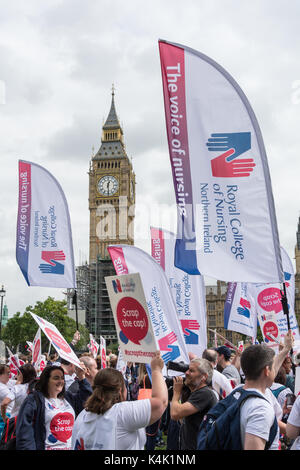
270	327
132	319
270	300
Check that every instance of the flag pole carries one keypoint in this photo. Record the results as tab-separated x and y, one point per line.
285	305
74	301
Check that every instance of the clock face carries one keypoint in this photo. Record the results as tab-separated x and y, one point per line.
108	185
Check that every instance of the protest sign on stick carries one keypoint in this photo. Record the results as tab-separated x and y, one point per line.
159	298
57	340
132	319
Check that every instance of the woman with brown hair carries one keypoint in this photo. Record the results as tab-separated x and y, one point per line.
109	421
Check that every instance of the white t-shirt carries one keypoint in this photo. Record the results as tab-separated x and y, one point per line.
122	427
221	384
17	394
282	395
257	416
4	391
69	379
294	419
59	422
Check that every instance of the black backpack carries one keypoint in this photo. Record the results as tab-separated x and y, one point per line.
8	437
220	428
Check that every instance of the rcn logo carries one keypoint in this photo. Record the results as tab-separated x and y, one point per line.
231	146
117	286
52	259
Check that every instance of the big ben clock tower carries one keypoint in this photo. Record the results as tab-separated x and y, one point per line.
111	205
111	190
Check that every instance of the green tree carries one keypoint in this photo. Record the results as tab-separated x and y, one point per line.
22	328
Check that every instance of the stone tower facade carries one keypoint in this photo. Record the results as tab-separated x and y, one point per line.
111	191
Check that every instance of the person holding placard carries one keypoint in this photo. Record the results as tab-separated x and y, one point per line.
110	422
46	418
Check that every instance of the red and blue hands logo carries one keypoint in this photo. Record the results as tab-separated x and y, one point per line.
227	165
165	344
52	259
189	336
244	309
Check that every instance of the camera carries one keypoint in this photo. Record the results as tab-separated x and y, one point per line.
178	366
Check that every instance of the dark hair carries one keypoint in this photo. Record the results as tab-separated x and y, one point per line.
281	376
28	372
2	368
64	362
106	391
255	358
42	384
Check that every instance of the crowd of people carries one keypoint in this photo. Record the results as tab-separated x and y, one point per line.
65	407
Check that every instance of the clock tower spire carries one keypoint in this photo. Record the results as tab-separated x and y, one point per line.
111	190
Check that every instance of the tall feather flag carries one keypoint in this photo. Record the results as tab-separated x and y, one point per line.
188	291
44	247
227	226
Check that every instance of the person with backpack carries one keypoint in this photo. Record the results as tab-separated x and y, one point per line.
246	419
192	403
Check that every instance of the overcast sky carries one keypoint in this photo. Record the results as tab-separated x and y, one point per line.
59	59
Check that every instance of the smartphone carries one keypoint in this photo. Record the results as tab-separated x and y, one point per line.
290	400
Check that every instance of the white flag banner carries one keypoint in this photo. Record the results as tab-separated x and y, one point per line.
160	302
44	247
37	350
227	225
246	304
239	310
188	291
103	352
57	340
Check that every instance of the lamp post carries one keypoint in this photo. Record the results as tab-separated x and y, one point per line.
2	294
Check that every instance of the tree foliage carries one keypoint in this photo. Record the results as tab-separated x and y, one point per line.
22	327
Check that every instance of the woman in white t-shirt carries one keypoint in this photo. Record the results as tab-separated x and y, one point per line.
46	417
18	392
109	422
